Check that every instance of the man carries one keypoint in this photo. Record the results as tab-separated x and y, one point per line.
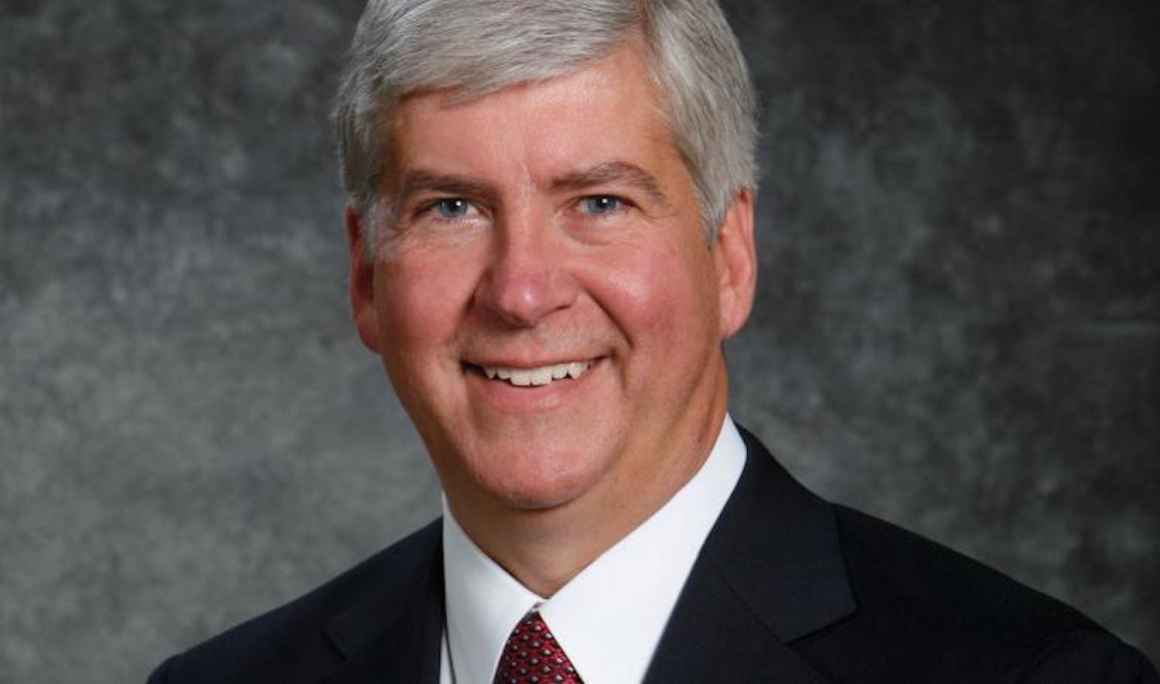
551	235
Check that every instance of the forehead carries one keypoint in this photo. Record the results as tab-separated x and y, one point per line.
610	108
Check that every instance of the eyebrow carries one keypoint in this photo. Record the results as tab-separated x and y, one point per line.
612	172
416	181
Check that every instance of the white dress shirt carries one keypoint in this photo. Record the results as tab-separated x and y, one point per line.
608	618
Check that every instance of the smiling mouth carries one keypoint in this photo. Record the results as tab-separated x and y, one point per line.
533	377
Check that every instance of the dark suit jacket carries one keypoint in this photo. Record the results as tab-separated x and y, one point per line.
788	588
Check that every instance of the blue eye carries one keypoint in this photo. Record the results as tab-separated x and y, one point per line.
601	204
452	207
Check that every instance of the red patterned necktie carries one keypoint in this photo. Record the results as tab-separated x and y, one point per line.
532	656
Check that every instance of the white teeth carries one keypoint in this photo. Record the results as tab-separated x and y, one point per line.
538	377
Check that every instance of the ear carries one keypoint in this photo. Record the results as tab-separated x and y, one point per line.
362	281
735	253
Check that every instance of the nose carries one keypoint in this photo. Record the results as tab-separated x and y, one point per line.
526	279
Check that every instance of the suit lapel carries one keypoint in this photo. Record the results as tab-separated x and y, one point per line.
771	571
395	637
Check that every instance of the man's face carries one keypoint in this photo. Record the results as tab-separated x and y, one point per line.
544	300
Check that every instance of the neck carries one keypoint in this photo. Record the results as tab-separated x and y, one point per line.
545	548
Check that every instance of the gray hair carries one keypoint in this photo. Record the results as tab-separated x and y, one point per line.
476	47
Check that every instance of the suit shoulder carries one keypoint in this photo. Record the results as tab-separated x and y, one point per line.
932	614
934	582
1089	656
292	635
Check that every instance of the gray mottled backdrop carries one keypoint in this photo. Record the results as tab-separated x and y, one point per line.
957	327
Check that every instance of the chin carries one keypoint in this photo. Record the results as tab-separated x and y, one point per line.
539	497
539	483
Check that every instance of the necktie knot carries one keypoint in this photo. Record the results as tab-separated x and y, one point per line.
533	656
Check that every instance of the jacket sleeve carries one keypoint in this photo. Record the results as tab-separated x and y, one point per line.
1090	657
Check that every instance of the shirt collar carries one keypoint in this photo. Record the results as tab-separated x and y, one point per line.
608	618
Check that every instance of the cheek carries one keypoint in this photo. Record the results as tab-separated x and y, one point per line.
659	297
421	296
